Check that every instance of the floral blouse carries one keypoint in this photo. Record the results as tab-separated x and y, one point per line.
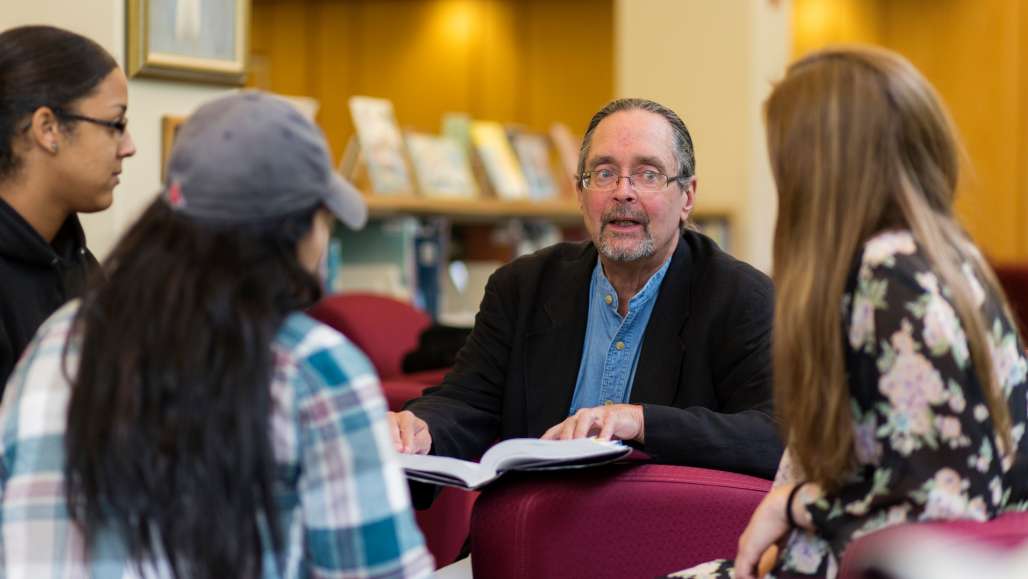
923	435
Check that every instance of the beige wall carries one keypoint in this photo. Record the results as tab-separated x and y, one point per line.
104	21
713	63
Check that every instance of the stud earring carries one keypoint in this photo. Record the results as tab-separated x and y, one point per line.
53	147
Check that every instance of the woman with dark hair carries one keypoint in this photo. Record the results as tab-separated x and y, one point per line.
899	375
186	419
63	137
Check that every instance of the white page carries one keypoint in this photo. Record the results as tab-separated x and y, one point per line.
473	474
524	452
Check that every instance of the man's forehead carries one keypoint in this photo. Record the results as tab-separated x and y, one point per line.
634	137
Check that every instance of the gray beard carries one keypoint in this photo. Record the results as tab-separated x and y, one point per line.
613	251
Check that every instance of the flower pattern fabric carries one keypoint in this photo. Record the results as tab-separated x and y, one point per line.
923	435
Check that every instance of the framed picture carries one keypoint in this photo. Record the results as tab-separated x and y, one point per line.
169	128
198	40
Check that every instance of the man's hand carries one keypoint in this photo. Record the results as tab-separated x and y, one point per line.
410	433
618	421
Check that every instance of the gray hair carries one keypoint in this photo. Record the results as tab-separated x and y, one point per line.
683	141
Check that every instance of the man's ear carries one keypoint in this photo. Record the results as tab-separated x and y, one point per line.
689	191
45	130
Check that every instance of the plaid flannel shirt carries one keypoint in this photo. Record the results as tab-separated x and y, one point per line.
344	512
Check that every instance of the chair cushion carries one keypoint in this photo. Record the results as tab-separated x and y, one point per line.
614	521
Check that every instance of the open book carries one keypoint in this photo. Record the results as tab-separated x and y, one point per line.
511	454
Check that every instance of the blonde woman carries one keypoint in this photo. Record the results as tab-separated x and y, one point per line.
899	375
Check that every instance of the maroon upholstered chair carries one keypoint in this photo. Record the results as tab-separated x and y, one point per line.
615	521
885	554
385	329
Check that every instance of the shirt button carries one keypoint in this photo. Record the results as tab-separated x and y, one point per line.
620	345
607	298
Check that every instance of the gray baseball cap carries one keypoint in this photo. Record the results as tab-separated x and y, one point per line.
251	156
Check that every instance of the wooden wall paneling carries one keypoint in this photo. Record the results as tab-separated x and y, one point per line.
531	62
332	61
969	49
1021	210
568	51
817	23
975	53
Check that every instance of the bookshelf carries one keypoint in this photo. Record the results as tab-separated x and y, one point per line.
483	210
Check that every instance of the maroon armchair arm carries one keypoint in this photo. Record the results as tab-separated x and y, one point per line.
616	521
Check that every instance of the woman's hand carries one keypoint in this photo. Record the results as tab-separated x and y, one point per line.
766	527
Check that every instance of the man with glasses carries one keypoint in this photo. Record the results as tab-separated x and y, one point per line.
649	333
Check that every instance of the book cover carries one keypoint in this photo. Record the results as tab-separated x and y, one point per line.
457	126
515	454
498	159
441	167
534	153
381	145
567	146
430	257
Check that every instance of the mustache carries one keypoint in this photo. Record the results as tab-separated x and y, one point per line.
622	212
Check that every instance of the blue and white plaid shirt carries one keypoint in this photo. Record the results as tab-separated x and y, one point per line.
345	510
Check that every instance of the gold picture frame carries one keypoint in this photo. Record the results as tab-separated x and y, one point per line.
188	39
169	129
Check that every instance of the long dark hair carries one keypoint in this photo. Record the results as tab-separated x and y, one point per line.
168	425
43	66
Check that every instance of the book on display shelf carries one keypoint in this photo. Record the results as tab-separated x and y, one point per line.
381	146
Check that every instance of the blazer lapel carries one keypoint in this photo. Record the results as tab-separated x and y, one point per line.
553	349
660	362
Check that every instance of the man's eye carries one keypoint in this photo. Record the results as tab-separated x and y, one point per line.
649	176
604	174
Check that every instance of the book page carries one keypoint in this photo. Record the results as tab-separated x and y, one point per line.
523	453
446	470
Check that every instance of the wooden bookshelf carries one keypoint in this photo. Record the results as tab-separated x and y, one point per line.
490	210
474	210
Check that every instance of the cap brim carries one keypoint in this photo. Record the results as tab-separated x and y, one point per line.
346	203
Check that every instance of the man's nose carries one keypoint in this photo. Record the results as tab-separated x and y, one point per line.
624	191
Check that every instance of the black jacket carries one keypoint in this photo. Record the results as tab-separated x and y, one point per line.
36	278
703	378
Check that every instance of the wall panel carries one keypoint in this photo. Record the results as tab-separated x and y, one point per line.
531	62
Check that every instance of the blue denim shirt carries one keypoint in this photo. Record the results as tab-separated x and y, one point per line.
612	343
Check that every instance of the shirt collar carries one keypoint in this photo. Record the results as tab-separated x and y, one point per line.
648	292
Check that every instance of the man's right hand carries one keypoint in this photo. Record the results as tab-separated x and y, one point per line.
410	433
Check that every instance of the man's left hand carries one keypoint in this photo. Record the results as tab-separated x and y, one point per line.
618	421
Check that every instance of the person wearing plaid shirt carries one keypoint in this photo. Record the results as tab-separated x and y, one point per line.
343	496
185	419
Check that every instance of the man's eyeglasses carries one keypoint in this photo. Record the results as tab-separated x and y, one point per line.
117	126
644	181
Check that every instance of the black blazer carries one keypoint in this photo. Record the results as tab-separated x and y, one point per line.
703	378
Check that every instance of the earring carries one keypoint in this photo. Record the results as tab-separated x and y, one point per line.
53	147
